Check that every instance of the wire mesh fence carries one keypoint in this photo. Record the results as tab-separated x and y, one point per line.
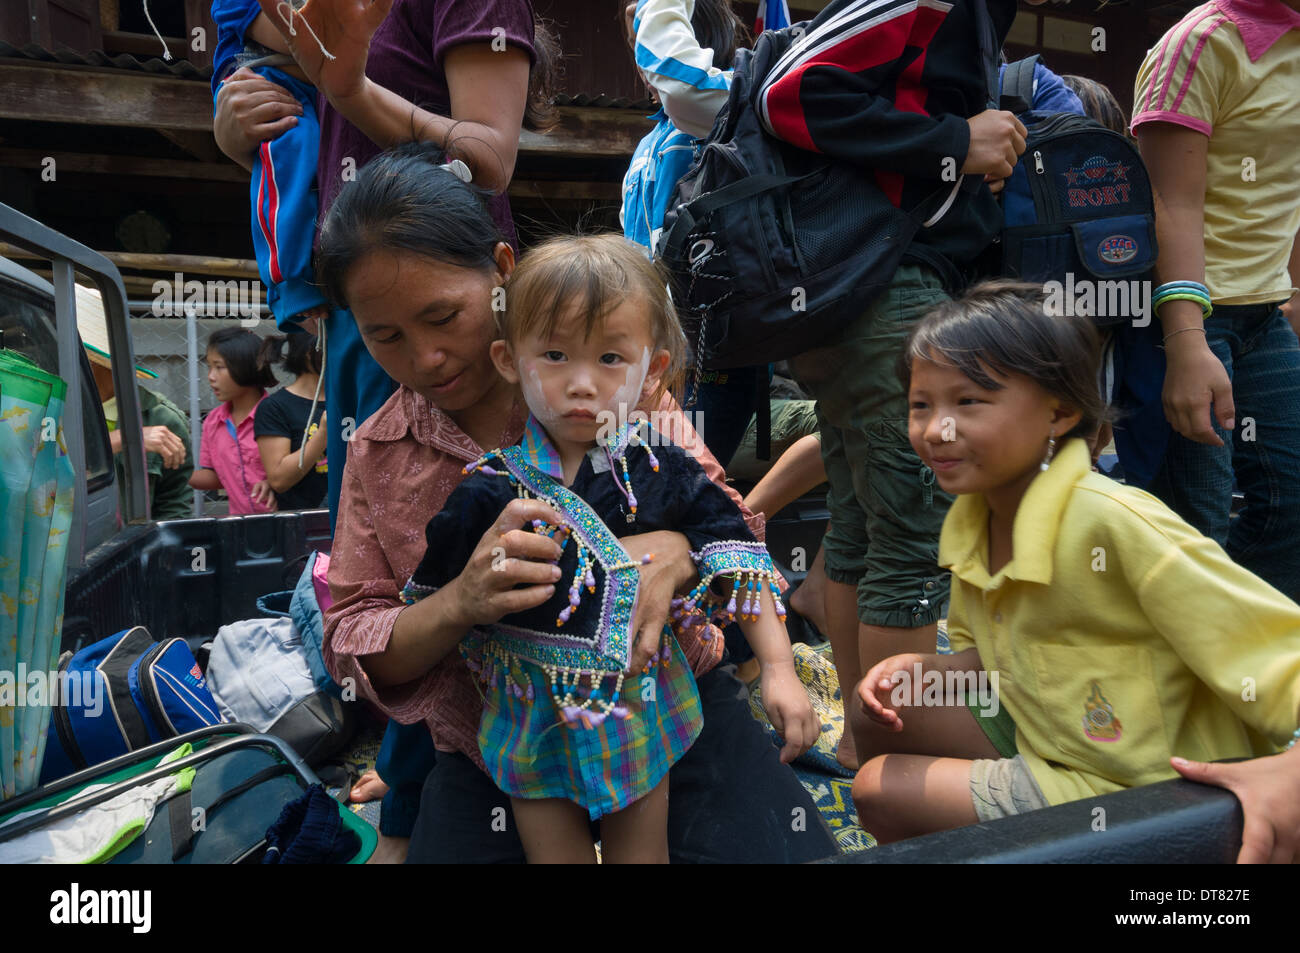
173	347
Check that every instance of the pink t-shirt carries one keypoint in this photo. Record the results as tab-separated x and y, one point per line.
232	452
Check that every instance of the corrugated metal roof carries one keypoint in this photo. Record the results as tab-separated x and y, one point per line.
182	69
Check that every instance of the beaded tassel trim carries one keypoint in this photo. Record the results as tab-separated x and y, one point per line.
594	544
583	699
751	570
628	436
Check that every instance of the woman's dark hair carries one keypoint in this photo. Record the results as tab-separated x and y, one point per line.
296	353
403	201
240	350
1099	102
716	27
1006	327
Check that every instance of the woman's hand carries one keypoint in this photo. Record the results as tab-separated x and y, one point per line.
249	111
670	570
1194	380
507	557
878	684
1269	791
343	27
786	702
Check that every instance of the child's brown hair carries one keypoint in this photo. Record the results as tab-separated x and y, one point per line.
1005	326
593	274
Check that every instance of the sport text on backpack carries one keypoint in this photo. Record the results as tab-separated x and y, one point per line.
1078	213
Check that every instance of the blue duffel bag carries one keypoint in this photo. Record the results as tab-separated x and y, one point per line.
122	693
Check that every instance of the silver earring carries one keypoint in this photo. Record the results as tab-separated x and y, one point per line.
1051	449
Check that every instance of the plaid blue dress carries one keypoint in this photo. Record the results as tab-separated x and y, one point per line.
558	718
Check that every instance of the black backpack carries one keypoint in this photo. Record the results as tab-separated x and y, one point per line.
1077	209
772	249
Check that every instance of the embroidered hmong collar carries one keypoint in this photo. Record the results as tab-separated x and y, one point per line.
540	452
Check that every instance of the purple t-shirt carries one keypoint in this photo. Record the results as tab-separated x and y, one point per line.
406	57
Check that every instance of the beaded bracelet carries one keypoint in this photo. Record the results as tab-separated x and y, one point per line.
1295	736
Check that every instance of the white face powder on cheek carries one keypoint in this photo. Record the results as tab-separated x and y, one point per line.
534	395
629	395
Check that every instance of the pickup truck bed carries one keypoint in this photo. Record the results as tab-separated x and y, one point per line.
186	578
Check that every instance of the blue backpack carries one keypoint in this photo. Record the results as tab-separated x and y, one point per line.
1077	208
122	693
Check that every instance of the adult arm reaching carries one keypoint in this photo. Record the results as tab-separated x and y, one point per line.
487	87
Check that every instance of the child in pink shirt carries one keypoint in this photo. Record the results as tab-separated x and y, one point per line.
228	454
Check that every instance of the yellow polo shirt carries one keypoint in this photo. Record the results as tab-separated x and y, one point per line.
1121	636
1231	70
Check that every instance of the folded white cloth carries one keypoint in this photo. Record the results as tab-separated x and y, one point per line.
98	833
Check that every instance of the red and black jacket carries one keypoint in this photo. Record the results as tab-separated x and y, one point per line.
889	85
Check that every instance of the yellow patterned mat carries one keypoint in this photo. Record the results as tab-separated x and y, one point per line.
826	781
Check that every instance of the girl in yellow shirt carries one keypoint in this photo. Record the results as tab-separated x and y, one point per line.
1124	644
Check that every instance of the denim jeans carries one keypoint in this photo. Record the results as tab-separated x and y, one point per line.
731	799
1262	356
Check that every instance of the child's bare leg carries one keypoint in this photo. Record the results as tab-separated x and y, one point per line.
904	795
553	831
638	834
809	599
841	603
950	730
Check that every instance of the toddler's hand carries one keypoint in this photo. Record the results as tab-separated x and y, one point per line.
878	684
786	702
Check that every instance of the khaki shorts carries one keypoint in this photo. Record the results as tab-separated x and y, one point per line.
1003	787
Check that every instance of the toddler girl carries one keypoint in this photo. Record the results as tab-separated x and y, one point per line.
1119	636
588	332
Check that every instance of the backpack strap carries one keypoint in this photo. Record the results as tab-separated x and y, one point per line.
180	811
762	415
1018	85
